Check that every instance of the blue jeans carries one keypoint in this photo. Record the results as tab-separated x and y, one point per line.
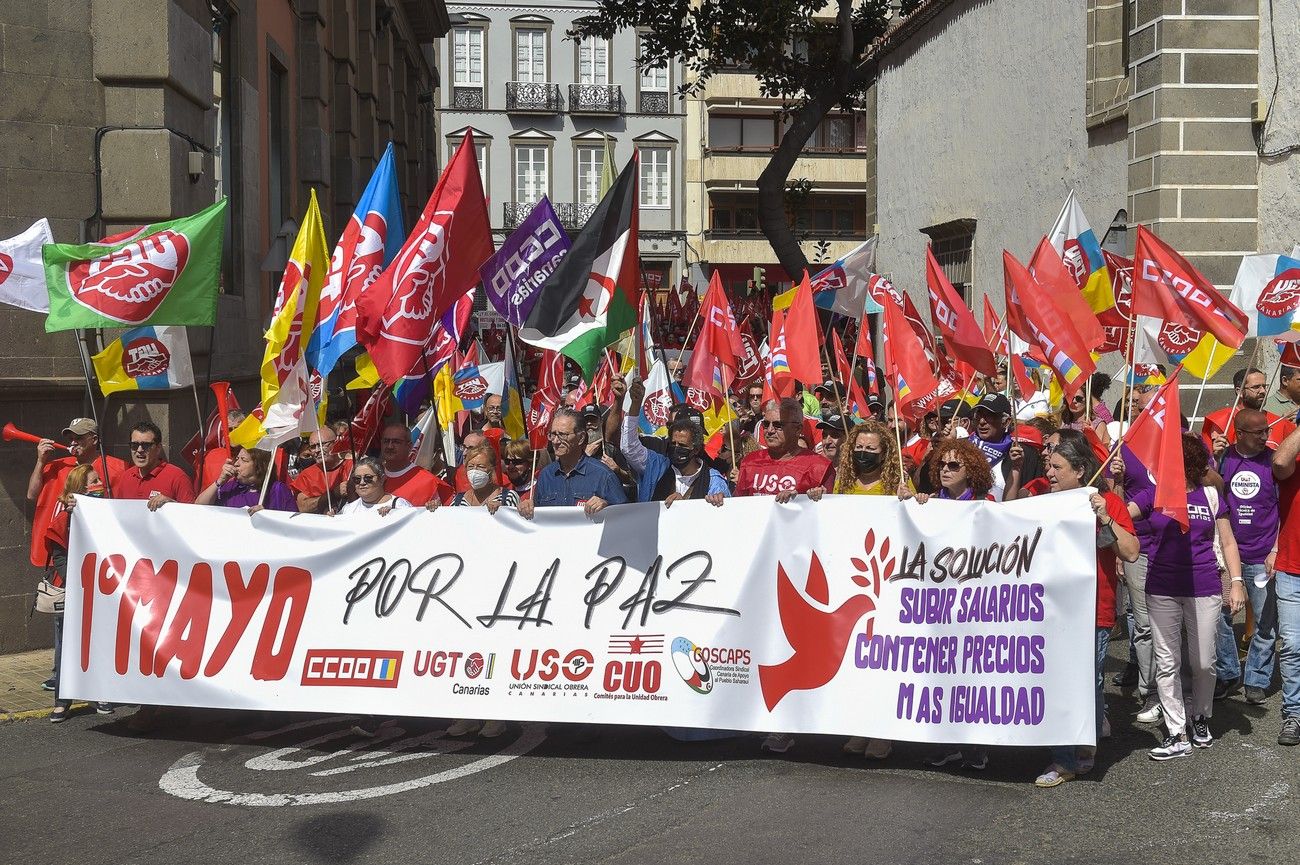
1066	756
1262	656
1288	626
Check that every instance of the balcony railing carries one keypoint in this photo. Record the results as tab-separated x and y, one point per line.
571	215
467	98
654	102
595	99
533	97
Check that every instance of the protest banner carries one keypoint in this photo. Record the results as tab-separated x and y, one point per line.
961	622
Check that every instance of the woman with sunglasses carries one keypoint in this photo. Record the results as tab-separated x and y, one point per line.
1071	465
517	463
368	484
961	473
240	485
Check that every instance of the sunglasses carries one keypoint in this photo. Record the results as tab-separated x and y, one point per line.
142	446
511	461
362	480
951	466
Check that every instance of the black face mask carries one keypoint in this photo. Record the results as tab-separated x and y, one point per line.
680	455
865	461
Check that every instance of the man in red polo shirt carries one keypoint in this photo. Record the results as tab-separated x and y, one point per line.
150	476
404	478
45	485
784	469
1252	390
310	484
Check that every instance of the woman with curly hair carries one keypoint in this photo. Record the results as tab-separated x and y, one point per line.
961	472
868	464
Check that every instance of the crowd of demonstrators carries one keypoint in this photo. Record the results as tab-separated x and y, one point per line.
1176	593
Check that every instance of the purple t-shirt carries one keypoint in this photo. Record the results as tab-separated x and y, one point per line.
1182	565
1252	500
1136	480
235	494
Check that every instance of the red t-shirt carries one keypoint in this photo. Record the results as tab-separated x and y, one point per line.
417	486
313	480
53	476
163	478
213	462
1288	536
1108	562
1216	421
760	475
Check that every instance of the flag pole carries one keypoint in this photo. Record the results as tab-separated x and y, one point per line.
835	386
203	432
320	456
1254	358
1200	391
90	395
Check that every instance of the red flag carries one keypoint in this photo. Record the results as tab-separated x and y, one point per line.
1155	438
778	381
1049	269
366	425
953	320
857	399
1165	286
751	363
863	348
218	433
1042	323
436	266
994	332
906	366
714	363
1025	383
550	384
803	336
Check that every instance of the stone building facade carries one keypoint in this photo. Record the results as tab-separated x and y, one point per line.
119	114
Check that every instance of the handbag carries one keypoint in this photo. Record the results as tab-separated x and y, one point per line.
49	597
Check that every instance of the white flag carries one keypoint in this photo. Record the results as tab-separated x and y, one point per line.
22	273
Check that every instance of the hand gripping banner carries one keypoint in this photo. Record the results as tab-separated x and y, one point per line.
960	622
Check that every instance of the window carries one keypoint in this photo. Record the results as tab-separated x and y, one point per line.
480	153
467	56
953	245
530	55
591	162
733	132
736	213
656	182
224	164
532	173
277	119
835	133
654	79
593	61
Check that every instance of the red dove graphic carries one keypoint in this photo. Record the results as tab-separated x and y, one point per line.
818	637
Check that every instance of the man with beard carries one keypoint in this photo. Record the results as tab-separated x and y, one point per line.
1252	389
992	415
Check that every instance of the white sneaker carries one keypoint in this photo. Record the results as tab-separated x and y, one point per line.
464	728
778	743
1171	748
855	745
1150	715
492	729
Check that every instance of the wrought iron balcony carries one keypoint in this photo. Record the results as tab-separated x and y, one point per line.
571	215
533	97
595	99
654	102
467	98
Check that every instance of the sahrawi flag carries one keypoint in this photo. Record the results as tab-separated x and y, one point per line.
370	240
587	303
22	273
286	381
165	273
145	358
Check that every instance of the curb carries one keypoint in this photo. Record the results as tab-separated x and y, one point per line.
35	714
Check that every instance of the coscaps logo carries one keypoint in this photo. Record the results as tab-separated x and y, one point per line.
351	668
691	665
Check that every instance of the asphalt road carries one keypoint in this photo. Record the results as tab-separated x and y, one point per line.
226	787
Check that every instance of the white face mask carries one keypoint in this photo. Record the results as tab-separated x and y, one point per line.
478	478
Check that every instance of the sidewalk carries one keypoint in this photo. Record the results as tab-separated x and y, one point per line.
21	675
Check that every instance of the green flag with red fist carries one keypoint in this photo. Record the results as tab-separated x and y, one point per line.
165	273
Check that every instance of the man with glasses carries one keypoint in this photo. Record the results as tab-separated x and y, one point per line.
311	483
1252	389
573	478
404	478
783	468
1251	492
150	476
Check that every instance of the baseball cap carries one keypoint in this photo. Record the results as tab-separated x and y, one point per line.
832	423
994	403
590	411
80	426
829	386
954	407
685	411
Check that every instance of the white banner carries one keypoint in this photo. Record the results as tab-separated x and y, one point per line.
858	615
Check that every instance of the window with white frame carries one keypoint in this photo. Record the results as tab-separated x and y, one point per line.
593	61
591	161
480	153
467	56
532	172
656	179
655	79
530	54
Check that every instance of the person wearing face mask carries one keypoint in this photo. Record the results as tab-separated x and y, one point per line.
680	473
484	491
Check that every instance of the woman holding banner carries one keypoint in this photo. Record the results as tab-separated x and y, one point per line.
1071	465
1185	590
368	481
240	485
961	473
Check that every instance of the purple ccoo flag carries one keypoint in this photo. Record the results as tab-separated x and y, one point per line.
512	277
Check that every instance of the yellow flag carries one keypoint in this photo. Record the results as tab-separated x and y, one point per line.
284	411
444	390
367	374
784	299
1207	358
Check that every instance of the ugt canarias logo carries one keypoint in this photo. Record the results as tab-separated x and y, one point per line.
818	634
129	285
